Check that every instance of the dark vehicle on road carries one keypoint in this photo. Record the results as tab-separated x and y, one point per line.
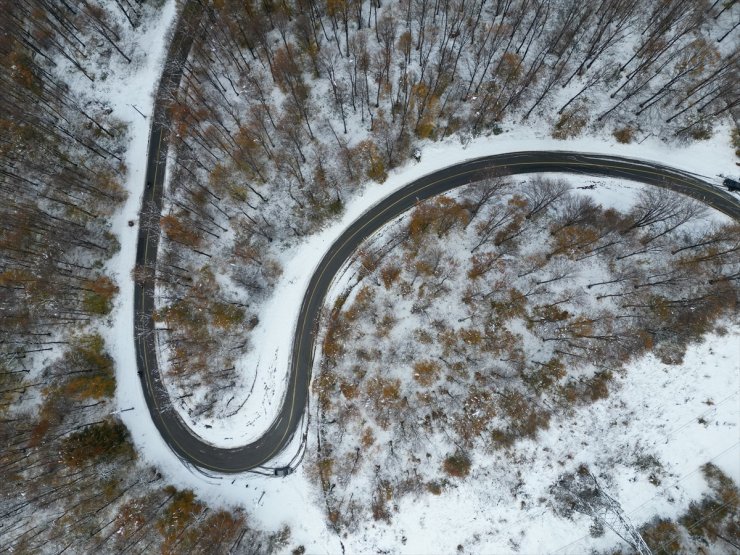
283	471
731	184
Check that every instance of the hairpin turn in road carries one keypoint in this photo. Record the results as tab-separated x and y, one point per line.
175	432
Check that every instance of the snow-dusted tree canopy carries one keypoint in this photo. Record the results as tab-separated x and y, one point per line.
479	322
288	107
71	479
482	318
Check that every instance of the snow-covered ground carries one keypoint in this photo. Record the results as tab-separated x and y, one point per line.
684	416
130	88
662	405
657	409
272	342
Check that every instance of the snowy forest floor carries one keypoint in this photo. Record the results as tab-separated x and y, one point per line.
496	508
683	416
261	371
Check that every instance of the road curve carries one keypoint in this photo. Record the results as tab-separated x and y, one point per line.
181	439
198	452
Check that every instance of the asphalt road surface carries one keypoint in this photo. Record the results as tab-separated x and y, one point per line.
196	450
182	440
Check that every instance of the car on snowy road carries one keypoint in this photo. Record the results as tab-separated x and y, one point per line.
731	184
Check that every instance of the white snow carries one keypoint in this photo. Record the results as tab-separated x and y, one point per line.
272	338
662	405
663	411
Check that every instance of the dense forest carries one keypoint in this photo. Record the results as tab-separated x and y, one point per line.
286	109
71	479
528	300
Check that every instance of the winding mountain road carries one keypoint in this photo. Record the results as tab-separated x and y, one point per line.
176	433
